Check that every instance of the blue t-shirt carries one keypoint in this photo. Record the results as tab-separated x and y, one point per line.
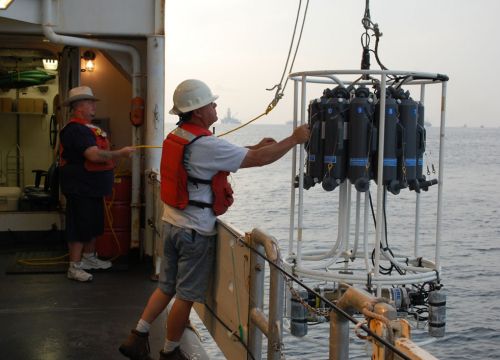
75	179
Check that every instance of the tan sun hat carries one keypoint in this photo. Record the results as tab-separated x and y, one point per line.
80	93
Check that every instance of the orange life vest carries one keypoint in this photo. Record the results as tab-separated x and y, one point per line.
174	177
102	143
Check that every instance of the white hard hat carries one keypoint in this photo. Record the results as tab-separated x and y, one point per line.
190	95
80	93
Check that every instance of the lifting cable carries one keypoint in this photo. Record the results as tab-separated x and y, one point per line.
338	310
372	27
280	87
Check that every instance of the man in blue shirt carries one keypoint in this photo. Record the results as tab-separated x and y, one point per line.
86	169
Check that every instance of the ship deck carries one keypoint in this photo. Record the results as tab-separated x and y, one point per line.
47	316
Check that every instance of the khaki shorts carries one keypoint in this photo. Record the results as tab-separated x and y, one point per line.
187	263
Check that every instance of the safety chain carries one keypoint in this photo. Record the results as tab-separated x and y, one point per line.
320	312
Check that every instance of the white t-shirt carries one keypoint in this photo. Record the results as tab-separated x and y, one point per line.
203	159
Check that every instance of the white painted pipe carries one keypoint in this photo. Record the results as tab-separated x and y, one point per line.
439	224
380	185
154	130
291	232
303	101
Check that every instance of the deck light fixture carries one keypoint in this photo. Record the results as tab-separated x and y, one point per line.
89	58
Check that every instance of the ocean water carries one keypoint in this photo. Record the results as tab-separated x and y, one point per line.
470	248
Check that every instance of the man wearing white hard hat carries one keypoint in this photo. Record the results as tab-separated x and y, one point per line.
194	188
86	168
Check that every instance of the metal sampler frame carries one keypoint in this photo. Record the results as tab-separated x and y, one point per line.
416	269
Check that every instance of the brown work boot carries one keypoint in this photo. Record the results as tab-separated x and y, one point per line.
136	347
173	355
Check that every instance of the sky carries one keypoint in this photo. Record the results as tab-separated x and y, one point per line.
239	48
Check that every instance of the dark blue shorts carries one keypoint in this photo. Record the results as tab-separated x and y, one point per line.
187	263
84	218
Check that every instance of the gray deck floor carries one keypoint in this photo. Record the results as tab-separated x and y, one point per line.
48	317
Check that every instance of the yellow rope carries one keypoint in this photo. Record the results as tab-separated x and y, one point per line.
241	126
270	107
147	147
223	134
109	217
120	169
107	208
43	261
51	260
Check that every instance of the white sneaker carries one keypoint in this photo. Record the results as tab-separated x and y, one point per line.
93	262
75	272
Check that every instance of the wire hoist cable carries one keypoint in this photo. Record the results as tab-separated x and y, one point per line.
280	87
372	27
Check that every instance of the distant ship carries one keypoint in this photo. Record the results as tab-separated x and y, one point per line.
229	119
